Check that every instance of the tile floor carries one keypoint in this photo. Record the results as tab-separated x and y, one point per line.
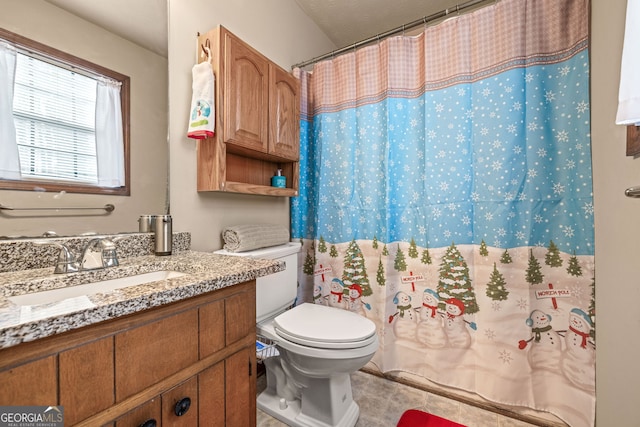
382	402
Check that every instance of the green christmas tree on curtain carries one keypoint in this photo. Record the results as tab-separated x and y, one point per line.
455	281
322	245
333	252
385	251
355	271
552	258
574	268
426	257
400	263
413	249
309	264
375	242
483	249
496	287
506	257
534	271
380	276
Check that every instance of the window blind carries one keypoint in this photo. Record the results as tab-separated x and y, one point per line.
54	114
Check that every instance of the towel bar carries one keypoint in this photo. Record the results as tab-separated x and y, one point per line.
632	192
108	208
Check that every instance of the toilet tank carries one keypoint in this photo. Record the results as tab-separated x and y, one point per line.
277	291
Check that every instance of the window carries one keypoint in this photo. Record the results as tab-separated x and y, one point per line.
69	118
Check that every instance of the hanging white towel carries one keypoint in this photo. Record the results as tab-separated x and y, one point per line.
203	112
629	94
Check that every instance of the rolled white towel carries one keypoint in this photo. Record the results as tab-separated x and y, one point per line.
241	238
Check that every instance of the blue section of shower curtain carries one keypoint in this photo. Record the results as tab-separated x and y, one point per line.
505	160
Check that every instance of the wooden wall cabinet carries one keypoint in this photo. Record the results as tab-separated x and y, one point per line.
257	121
188	363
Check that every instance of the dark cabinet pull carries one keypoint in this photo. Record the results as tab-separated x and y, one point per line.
182	406
149	423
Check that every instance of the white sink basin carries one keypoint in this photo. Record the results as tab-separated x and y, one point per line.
54	295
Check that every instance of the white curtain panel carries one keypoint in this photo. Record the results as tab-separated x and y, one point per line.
9	160
629	94
109	139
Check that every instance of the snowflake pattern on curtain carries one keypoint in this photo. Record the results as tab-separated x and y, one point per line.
441	184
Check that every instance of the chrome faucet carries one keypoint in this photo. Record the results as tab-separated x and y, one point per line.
99	253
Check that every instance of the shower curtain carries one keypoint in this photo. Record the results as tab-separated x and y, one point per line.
446	194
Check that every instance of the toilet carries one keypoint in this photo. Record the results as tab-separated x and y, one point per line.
318	347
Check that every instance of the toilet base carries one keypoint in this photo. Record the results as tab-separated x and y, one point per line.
289	412
299	398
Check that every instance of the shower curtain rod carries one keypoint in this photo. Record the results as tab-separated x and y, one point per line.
401	29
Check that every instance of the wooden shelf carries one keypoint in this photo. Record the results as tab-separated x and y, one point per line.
242	187
239	173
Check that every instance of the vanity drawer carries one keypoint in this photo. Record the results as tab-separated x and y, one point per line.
240	315
225	321
31	384
150	353
211	328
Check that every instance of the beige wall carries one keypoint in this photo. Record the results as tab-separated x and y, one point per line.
617	231
279	30
45	23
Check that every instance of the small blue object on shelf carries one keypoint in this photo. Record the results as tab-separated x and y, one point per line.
279	180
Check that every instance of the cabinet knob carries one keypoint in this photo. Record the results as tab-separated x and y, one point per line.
149	423
182	406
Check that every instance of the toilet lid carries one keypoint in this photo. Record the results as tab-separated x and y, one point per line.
324	327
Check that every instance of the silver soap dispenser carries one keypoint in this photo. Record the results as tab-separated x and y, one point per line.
163	234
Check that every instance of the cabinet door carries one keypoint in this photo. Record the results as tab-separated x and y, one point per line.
284	113
180	405
31	384
86	380
211	402
148	415
240	388
246	96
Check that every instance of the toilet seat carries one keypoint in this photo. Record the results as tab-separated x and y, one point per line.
324	327
267	330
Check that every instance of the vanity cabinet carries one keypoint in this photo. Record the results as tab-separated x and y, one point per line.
187	363
257	121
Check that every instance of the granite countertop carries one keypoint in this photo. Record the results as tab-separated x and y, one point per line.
204	272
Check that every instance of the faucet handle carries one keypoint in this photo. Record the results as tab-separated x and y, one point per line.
100	252
67	262
109	254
